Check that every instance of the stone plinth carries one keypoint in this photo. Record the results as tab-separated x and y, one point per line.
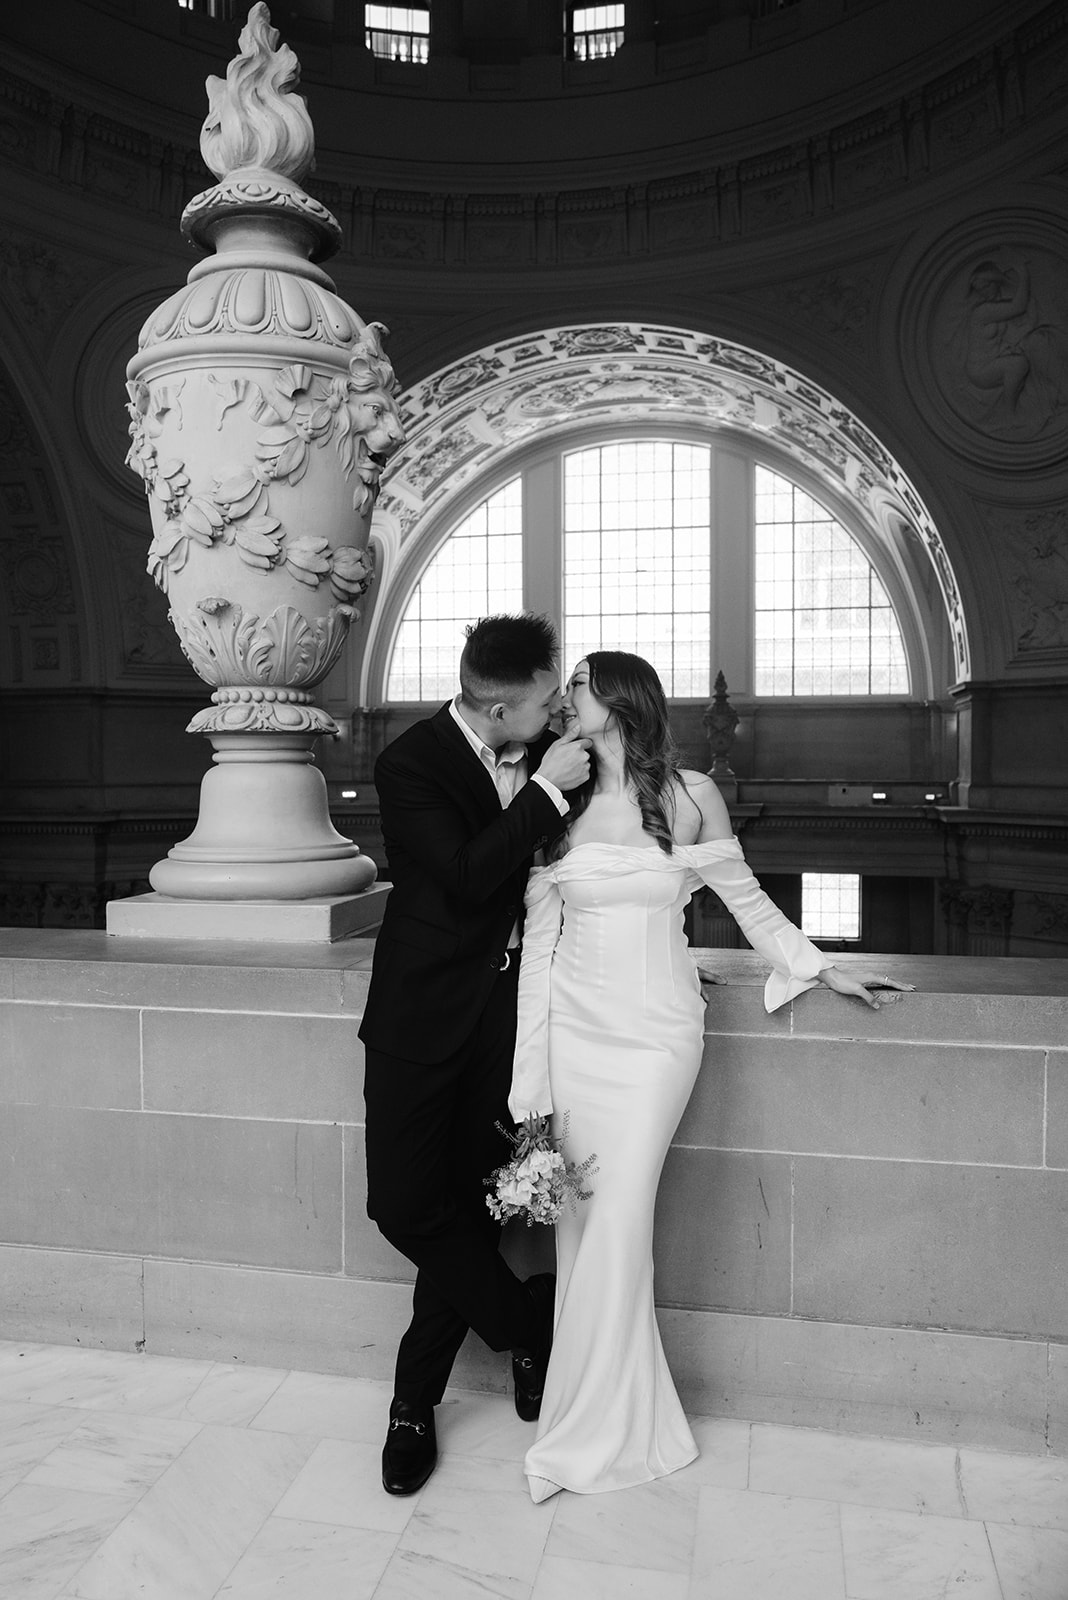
158	916
855	1228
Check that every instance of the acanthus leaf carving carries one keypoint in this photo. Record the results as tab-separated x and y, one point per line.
227	645
285	636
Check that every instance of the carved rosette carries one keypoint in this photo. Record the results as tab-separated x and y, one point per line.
262	411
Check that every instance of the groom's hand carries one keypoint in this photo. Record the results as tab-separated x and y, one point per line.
566	763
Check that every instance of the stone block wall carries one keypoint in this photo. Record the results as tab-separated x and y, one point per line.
859	1227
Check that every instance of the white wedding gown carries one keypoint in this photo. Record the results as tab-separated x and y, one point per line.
610	1036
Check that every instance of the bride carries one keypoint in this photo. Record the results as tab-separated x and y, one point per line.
610	1032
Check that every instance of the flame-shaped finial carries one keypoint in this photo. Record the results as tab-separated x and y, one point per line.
255	118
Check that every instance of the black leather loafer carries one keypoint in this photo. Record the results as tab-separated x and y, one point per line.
528	1376
411	1450
530	1364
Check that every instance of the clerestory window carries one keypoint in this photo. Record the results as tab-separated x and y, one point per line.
398	33
595	32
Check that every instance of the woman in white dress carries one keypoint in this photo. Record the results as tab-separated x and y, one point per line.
610	1034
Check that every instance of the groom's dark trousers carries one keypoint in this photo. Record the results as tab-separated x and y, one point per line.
439	1033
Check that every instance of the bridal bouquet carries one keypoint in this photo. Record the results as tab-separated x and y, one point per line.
537	1180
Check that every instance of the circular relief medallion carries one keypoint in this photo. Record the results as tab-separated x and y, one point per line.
989	319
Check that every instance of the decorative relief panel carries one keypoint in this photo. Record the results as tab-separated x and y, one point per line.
967	125
836	305
989	310
499	244
404	241
1032	551
37	578
16	443
40	281
867	172
1042	916
774	202
149	645
591	239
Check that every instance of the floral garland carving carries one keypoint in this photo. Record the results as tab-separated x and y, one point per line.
357	412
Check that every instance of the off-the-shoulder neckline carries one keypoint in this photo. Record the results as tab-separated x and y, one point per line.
645	849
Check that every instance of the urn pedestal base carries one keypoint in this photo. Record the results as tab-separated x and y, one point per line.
323	921
264	829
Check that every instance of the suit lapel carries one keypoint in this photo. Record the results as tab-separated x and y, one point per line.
463	763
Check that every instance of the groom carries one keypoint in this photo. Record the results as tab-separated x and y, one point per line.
467	796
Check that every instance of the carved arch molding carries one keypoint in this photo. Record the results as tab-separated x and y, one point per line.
471	417
41	636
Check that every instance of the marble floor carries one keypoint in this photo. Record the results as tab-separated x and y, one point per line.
131	1477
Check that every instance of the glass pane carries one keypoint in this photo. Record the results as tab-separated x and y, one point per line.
830	905
476	572
636	557
815	585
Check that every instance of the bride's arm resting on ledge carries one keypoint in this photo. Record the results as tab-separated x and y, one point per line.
791	955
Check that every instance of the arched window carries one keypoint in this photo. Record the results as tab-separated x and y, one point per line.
823	620
478	570
636	556
686	551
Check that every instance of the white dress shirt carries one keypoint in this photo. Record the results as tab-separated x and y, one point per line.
508	769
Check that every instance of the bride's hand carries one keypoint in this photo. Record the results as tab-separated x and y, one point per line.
861	985
709	977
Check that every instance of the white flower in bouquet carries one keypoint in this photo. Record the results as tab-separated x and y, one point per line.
537	1180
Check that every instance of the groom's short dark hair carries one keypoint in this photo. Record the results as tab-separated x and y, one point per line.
501	656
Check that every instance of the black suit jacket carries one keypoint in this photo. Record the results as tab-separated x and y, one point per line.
459	867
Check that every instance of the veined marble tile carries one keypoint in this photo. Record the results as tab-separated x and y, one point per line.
182	1539
562	1578
900	1555
870	1472
499	1534
478	1474
341	1483
1032	1563
27	1433
724	1459
653	1525
412	1576
292	1560
1028	1489
229	1394
47	1534
482	1425
330	1408
114	1453
767	1547
105	1380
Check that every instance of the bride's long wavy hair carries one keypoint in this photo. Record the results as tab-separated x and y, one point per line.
629	687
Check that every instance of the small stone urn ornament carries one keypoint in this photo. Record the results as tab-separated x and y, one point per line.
262	412
720	720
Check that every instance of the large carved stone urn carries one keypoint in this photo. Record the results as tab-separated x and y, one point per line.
262	411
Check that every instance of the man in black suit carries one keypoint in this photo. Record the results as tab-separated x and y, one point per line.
467	796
